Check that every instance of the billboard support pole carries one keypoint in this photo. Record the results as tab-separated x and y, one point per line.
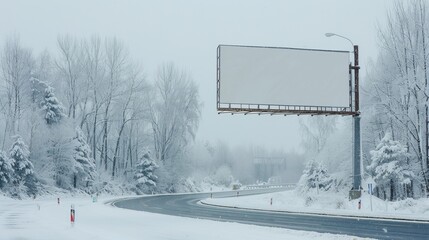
357	177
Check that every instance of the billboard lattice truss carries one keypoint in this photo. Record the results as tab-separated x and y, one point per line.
285	81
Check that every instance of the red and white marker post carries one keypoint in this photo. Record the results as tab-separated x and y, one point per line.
72	214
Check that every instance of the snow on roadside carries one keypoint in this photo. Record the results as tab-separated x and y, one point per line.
45	219
330	203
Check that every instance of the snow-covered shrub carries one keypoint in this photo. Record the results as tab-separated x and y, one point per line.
188	185
406	204
314	178
309	201
340	204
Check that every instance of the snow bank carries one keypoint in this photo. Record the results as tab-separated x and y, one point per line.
330	203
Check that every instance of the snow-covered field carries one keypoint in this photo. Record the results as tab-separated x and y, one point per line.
23	219
330	203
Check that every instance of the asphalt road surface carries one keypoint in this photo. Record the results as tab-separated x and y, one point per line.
187	205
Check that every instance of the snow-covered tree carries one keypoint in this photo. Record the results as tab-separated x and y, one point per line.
60	154
315	176
16	64
69	66
84	166
175	112
19	156
224	175
397	90
37	89
5	169
315	132
113	115
389	165
52	108
145	172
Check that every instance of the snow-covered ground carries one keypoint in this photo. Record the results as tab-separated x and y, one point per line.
337	204
45	219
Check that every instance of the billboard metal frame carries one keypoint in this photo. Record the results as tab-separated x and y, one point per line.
275	109
352	110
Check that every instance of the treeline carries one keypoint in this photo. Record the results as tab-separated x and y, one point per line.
397	91
90	117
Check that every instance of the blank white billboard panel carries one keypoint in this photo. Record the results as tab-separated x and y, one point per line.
283	76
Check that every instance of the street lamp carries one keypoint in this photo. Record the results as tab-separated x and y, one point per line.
334	34
357	178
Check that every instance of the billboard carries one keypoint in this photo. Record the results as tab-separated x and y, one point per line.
283	80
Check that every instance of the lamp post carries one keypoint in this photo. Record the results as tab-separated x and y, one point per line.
334	34
357	178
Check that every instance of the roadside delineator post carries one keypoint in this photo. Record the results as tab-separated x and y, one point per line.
72	214
58	200
359	204
271	202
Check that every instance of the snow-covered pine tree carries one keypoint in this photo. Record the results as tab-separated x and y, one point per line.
84	166
6	170
316	177
52	108
389	166
144	175
21	165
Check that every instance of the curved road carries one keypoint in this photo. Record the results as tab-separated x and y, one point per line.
187	205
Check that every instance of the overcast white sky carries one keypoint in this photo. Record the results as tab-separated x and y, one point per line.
188	32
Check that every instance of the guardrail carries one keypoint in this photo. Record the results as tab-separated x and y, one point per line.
264	186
